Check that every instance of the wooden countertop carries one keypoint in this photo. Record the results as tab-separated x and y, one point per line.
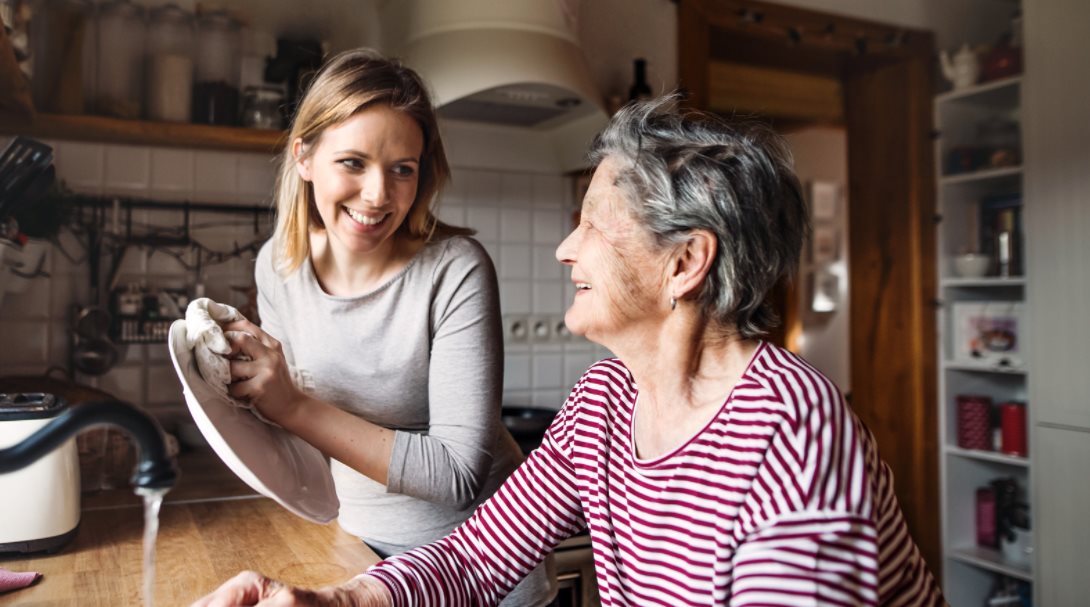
200	545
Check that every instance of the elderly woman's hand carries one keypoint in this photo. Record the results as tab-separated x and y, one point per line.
250	588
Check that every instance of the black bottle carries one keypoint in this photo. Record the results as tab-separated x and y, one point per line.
640	90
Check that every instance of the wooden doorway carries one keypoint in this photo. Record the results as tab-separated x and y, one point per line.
795	67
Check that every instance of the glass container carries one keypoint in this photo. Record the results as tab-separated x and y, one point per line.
215	92
62	44
261	107
121	34
169	92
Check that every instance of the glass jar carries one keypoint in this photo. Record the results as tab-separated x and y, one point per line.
261	107
215	92
121	34
62	44
170	64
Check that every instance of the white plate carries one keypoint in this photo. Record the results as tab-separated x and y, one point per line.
273	461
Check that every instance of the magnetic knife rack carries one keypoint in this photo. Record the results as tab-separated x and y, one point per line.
101	205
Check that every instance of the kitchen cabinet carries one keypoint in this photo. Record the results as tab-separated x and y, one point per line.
141	132
1058	184
982	325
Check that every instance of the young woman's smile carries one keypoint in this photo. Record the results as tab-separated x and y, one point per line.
365	172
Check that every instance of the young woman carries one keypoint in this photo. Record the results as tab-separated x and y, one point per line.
391	316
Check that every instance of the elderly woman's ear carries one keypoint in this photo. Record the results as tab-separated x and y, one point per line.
690	264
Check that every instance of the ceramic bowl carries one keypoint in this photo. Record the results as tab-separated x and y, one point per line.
972	265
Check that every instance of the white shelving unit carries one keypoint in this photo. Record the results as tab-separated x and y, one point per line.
971	571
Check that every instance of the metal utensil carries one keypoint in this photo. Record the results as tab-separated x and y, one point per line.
21	165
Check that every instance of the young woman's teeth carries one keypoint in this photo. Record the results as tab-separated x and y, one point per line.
365	220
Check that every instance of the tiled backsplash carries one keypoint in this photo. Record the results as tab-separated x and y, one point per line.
519	217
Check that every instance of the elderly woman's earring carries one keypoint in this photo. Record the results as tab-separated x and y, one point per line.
673	303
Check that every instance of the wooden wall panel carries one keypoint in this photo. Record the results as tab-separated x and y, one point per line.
737	87
892	235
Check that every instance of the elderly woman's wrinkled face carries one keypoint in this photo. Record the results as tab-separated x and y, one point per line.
618	273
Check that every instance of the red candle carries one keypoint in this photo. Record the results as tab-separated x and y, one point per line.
1012	421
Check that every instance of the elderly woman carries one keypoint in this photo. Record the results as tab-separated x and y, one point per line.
709	466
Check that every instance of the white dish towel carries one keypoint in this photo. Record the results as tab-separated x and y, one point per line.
208	341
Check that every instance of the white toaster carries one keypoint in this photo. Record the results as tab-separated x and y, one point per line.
40	511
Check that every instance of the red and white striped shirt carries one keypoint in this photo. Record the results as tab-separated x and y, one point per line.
780	500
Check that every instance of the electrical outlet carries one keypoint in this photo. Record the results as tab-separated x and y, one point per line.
541	329
516	329
560	330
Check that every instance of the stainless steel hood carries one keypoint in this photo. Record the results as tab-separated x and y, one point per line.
508	63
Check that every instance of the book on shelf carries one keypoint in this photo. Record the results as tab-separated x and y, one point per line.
1000	232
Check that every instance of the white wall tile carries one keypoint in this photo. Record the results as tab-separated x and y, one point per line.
548	370
158	353
493	251
569	287
221	232
27	341
481	188
517	372
515	225
575	364
160	263
549	226
133	354
125	382
80	165
163	385
455	191
133	265
60	344
34	303
548	399
452	214
63	294
549	298
172	172
215	176
516	189
546	267
486	220
256	178
517	398
515	296
126	169
515	262
548	191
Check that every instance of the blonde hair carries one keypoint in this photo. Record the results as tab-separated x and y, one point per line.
349	83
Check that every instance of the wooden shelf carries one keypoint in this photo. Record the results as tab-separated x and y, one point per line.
980	89
953	365
983	282
989	456
981	175
992	560
140	132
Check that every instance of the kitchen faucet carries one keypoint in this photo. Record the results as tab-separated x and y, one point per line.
155	469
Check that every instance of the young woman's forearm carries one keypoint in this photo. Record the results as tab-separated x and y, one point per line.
340	435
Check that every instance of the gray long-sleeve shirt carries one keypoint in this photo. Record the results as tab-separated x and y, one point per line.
421	354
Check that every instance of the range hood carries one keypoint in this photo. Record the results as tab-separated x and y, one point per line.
512	64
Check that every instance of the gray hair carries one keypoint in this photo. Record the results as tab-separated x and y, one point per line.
687	170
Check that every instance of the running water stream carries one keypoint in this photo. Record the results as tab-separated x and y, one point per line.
153	500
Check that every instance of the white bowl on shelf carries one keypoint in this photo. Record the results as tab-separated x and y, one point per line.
972	265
